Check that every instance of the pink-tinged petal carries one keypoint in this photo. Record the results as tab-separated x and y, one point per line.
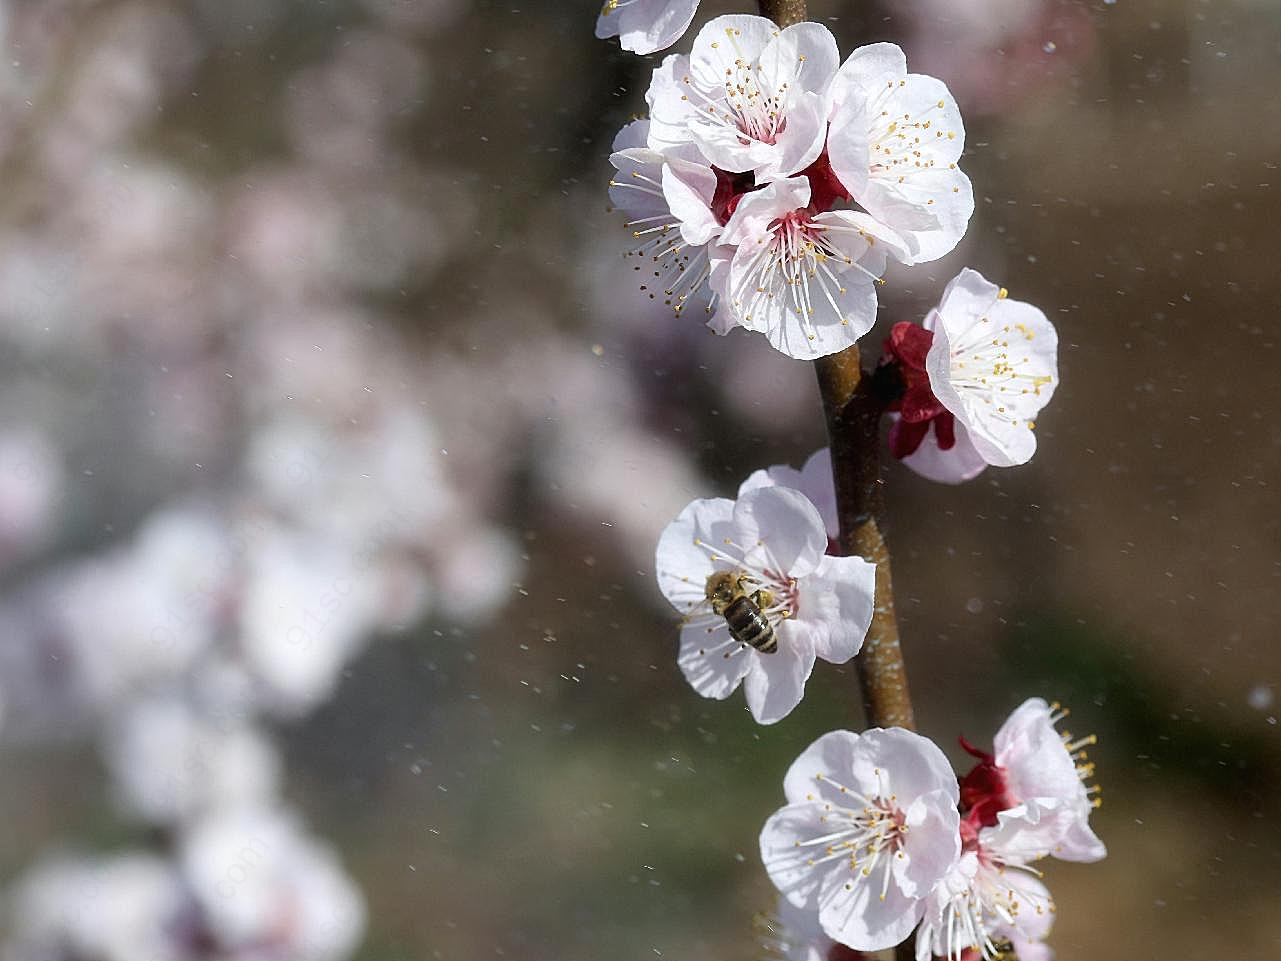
817	484
688	189
802	58
933	843
836	324
836	604
931	208
814	480
780	531
1027	950
719	256
960	463
713	663
849	148
1036	761
776	683
1036	915
856	915
671	110
725	41
1080	843
786	856
801	141
647	26
758	209
683	559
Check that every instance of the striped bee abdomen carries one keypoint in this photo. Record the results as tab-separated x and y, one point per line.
748	625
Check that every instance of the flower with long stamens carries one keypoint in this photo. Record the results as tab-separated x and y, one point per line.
814	480
752	98
870	829
645	26
803	277
894	143
992	896
667	200
1035	764
769	544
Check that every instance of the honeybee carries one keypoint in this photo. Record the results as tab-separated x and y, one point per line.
728	593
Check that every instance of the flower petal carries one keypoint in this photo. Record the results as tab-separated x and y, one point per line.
647	26
712	661
683	560
836	604
776	683
780	531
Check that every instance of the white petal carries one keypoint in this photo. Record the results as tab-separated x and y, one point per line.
956	465
803	57
780	531
931	207
607	22
814	480
647	26
836	604
724	42
688	189
862	235
670	108
776	683
714	664
933	843
682	565
800	141
865	73
857	915
785	862
832	755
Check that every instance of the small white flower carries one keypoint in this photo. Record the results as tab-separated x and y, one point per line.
814	480
667	200
645	26
894	142
768	546
1045	767
752	98
990	896
993	366
870	828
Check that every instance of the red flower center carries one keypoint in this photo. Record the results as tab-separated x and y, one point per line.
906	348
826	189
984	794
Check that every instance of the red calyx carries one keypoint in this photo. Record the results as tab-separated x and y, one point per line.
918	408
825	187
984	791
839	952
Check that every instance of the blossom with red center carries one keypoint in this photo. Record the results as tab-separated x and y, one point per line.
1034	765
769	546
869	831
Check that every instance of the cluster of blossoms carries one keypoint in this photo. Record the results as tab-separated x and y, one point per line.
784	180
878	838
781	181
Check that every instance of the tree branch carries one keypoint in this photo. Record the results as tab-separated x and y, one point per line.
784	12
854	408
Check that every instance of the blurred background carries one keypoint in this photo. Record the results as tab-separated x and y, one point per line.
335	440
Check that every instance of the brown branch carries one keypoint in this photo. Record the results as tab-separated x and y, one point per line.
784	12
854	409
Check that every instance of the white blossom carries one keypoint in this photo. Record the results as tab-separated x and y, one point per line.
993	365
771	544
750	97
645	26
870	828
894	142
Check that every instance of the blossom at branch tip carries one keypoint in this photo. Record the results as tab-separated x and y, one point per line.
992	896
974	374
869	830
645	26
814	480
768	547
1042	770
752	98
895	141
